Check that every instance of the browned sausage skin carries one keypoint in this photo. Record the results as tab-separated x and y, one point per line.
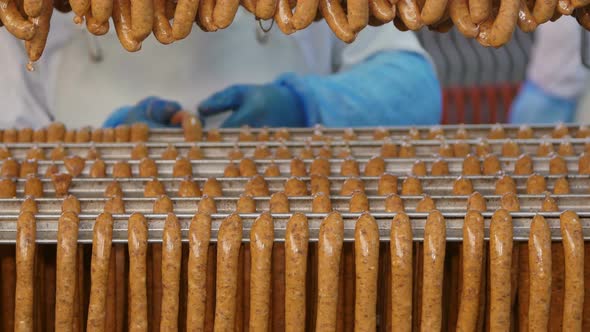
261	242
296	244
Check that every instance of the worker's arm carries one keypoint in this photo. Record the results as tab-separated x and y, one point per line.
389	88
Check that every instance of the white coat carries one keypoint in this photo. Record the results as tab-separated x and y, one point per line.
69	86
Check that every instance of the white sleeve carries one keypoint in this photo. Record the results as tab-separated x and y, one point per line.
372	40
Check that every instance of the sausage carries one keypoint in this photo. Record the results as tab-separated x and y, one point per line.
184	16
256	186
163	204
471	165
358	202
387	184
36	45
401	272
61	183
549	204
99	267
26	228
261	243
526	20
235	154
462	186
476	202
33	8
472	268
462	131
25	135
375	166
482	148
366	259
10	135
224	12
509	202
497	132
58	153
139	131
500	269
584	163
545	148
98	169
246	204
70	204
247	167
170	153
536	184
188	188
279	203
573	248
137	239
491	165
7	188
394	203
406	149
101	10
10	168
153	188
231	171
505	184
283	152
139	152
199	235
461	149
306	153
525	131
74	165
122	21
213	135
439	167
246	134
419	168
171	260
282	134
334	15
55	130
212	188
272	170
108	134
207	205
510	149
349	167
566	148
122	133
561	186
523	165
321	203
348	134
182	167
192	127
34	153
411	186
445	150
95	28
297	167
66	269
121	169
557	165
388	149
96	134
229	241
320	166
264	133
433	271
15	23
195	153
350	185
426	204
162	29
382	10
147	168
331	239
262	152
295	187
409	12
29	205
539	246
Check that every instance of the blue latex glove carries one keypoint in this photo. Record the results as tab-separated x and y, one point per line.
533	105
391	88
154	111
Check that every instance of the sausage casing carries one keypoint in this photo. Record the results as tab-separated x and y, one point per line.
296	244
199	235
540	274
401	272
433	271
66	270
573	249
500	269
137	237
171	260
261	242
26	228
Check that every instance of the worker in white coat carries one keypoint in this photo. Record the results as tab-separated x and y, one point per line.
383	78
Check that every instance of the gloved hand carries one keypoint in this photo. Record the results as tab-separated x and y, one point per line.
533	105
255	105
156	112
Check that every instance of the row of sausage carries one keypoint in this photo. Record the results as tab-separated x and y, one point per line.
366	244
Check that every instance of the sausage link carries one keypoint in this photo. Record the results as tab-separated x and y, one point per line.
565	7
142	19
473	251
14	21
433	11
229	240
329	252
401	272
99	266
433	271
80	8
459	12
199	235
184	16
500	269
283	17
33	8
261	242
383	11
122	21
171	260
357	14
540	274
543	10
26	228
526	20
36	45
366	248
296	243
67	246
265	9
101	10
409	13
573	248
479	10
334	15
224	12
138	304
503	25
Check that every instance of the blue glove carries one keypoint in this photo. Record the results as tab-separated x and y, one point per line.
533	105
256	105
154	111
391	88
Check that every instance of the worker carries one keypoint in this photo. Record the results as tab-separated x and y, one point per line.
556	78
384	78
